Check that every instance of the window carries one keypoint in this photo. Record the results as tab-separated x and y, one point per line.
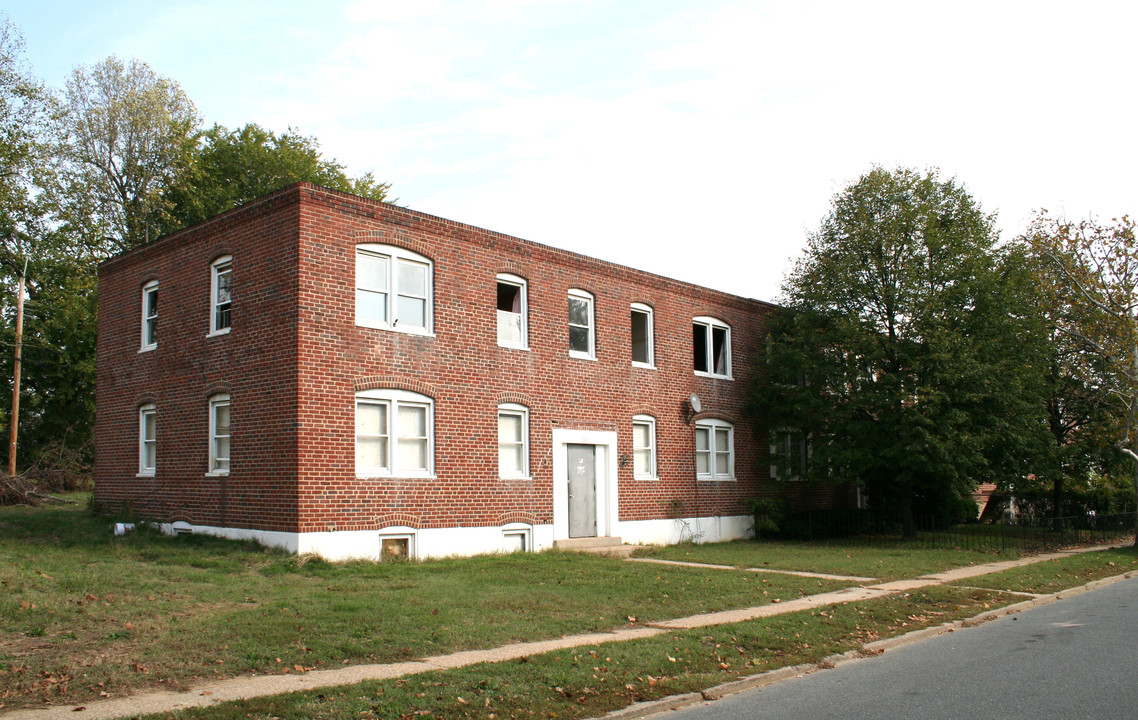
147	439
517	537
714	450
644	447
513	441
394	434
219	435
393	289
512	311
582	343
220	295
641	335
396	546
790	450
150	315
711	341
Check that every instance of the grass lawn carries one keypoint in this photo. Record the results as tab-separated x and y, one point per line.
591	681
84	613
884	563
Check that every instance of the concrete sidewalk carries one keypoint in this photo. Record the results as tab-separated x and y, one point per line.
258	686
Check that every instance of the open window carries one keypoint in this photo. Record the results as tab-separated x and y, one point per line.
642	341
512	311
711	344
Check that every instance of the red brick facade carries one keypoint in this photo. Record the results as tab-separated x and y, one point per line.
295	358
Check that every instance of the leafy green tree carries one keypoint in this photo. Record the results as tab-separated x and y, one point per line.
25	111
127	136
904	349
58	354
1094	279
233	167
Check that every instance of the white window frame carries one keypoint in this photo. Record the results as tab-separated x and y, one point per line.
395	257
522	412
147	412
587	297
650	422
221	266
713	426
646	310
710	325
391	400
514	532
396	534
778	443
149	334
523	290
218	401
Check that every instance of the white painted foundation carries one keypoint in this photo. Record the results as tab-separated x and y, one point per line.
460	541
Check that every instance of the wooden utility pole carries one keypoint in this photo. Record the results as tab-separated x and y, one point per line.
13	433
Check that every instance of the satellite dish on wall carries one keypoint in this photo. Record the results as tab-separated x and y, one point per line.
696	405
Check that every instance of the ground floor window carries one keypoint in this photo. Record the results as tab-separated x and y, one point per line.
714	450
394	433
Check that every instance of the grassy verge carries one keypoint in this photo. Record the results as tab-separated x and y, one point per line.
591	681
884	563
83	613
1055	575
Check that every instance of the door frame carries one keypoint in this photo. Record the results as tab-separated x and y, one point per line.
607	491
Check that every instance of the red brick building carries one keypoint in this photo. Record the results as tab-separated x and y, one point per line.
331	374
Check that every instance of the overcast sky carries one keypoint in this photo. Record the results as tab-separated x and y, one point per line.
698	140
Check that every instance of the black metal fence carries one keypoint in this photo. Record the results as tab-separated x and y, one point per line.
860	526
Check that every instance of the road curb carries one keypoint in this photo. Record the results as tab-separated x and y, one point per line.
868	650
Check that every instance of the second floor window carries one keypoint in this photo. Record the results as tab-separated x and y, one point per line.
512	311
393	289
221	297
641	335
150	315
711	343
582	340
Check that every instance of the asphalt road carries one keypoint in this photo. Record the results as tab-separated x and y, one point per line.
1075	658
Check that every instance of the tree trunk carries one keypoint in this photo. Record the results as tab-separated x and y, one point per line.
908	525
1057	502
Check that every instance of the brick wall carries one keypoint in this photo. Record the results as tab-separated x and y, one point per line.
469	375
255	363
295	358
